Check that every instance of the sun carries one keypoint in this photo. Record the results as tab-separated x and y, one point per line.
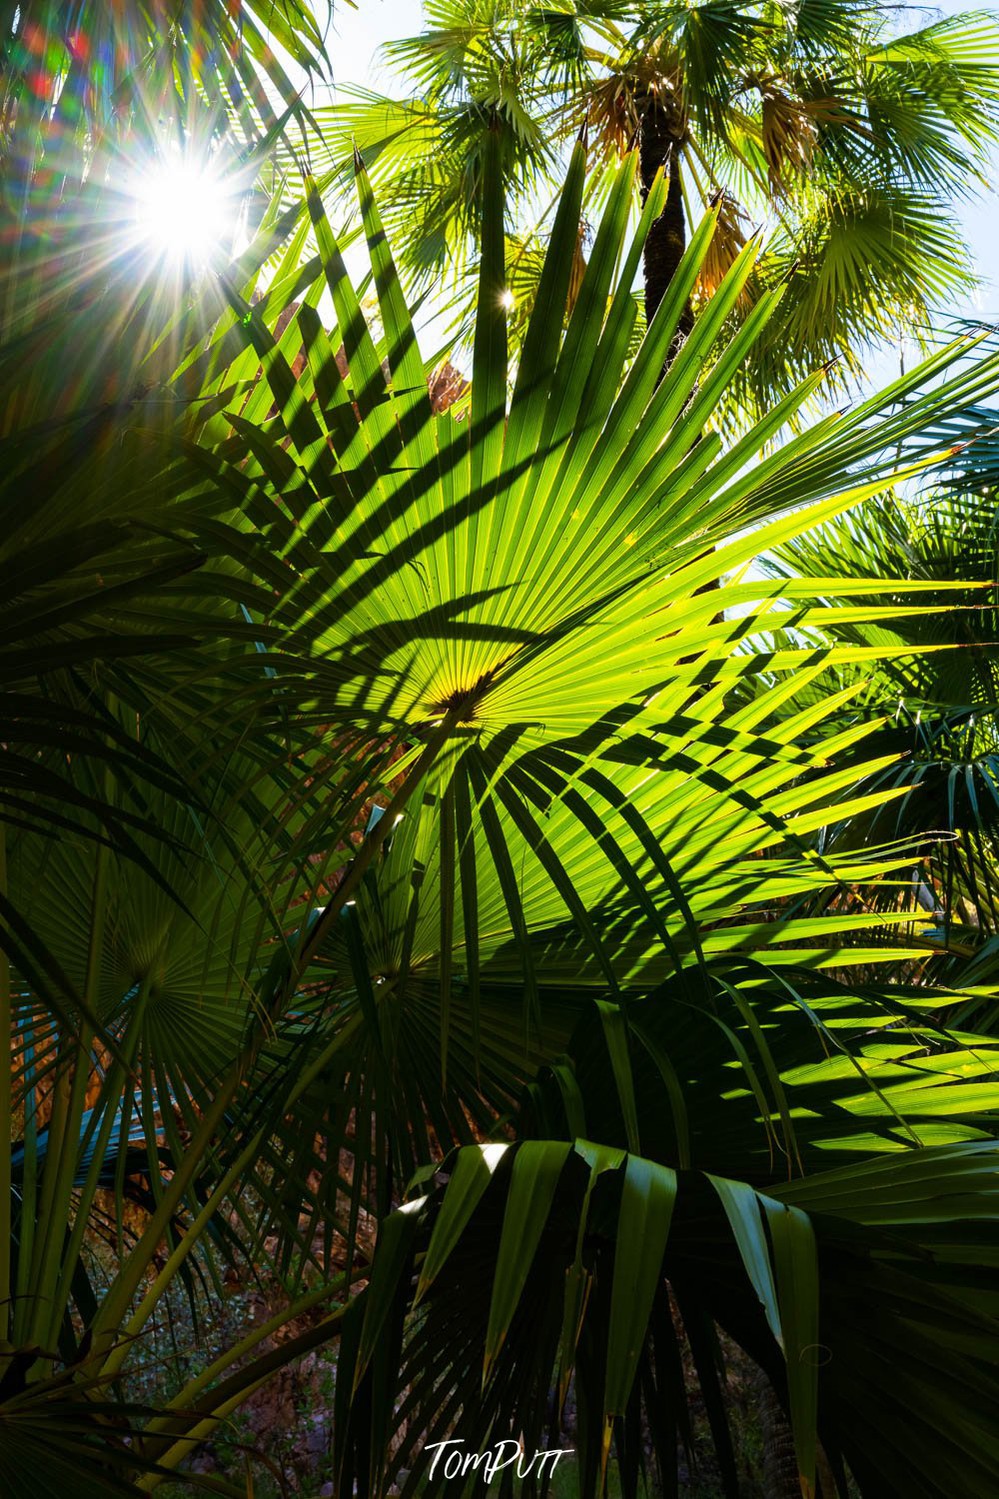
183	210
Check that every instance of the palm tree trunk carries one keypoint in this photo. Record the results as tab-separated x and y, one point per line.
780	1464
658	146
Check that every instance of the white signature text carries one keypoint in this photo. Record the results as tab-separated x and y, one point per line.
457	1464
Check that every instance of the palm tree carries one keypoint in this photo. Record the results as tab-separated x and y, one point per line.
561	867
844	138
937	701
407	790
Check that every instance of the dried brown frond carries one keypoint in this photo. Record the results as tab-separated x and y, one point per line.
447	385
730	236
612	107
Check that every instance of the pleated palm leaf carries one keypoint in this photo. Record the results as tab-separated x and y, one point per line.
866	1294
517	593
106	581
583	794
146	1111
492	628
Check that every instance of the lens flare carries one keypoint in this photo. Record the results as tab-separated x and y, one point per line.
183	211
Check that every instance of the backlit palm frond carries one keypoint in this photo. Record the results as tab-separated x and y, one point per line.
584	801
854	267
928	101
940	708
461	745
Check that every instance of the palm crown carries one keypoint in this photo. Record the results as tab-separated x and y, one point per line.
846	139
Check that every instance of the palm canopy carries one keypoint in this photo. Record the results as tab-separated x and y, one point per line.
491	626
498	886
847	139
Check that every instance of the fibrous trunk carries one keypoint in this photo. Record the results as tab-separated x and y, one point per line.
659	144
